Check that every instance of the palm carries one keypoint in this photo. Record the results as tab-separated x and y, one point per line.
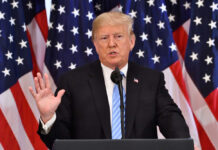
46	102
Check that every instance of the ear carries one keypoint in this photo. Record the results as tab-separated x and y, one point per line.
132	40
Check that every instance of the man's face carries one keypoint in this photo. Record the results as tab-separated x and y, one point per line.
113	44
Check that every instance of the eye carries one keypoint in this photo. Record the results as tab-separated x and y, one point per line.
103	38
118	36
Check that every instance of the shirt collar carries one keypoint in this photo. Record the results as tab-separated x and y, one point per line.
108	71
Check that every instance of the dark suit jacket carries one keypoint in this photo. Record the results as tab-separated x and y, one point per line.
84	109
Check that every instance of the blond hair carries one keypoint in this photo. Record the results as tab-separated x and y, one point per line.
112	18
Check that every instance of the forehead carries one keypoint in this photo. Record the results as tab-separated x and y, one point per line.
112	29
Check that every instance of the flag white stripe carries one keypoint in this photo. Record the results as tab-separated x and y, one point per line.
186	25
38	43
10	111
25	81
178	96
1	148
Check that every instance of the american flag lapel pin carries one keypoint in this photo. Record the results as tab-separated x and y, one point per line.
136	80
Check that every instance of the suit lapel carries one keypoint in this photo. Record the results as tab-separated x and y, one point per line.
132	97
96	81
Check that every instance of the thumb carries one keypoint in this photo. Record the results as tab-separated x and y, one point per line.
60	93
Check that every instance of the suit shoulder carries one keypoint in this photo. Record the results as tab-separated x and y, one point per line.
144	70
79	72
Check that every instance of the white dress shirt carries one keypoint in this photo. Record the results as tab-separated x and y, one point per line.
109	89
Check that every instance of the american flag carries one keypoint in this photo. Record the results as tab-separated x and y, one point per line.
69	46
200	58
23	30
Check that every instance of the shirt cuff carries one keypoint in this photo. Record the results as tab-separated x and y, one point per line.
46	127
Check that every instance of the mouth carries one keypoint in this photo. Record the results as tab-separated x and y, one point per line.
113	53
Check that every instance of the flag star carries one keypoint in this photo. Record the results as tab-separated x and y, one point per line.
30	5
50	25
88	51
74	49
212	24
8	55
48	43
147	19
209	60
59	46
194	56
89	33
214	6
61	9
23	44
210	42
144	36
90	1
133	14
156	59
150	3
187	5
163	8
197	21
75	12
12	21
24	27
72	66
75	30
89	15
140	53
206	78
19	61
60	28
98	7
52	7
158	42
196	38
174	2
10	38
2	15
171	18
4	1
161	25
58	64
14	4
6	72
173	47
200	3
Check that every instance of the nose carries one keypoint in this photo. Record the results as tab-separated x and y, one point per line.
112	42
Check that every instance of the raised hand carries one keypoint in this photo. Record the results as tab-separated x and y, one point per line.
46	102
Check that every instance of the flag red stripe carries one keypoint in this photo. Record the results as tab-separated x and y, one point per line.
177	72
204	140
213	103
181	38
28	120
5	131
42	23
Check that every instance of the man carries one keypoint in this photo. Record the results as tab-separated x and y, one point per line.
82	108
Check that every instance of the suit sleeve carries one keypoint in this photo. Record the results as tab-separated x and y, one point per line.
169	117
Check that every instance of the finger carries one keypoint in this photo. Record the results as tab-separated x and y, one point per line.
60	94
41	81
47	81
32	92
36	83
